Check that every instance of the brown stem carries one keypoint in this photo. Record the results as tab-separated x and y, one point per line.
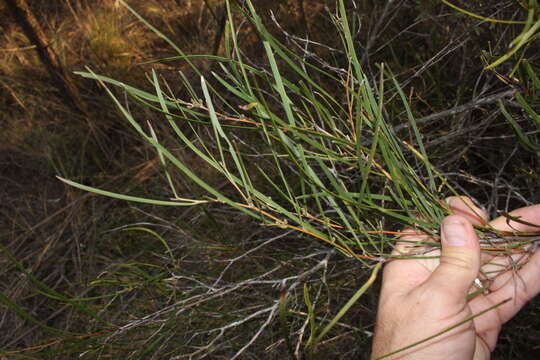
25	18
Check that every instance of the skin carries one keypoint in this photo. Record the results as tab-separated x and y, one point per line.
420	298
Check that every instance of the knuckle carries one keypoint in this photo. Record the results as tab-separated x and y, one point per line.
458	260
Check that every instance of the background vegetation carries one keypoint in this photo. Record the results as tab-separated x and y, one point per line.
92	277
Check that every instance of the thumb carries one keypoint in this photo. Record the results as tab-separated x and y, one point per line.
460	258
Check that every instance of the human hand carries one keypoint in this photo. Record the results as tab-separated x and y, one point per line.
422	297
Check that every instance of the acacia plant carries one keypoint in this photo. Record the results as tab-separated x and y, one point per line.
303	144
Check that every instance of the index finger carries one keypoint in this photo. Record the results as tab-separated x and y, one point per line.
464	206
529	214
522	285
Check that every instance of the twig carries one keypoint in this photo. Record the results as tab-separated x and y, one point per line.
459	109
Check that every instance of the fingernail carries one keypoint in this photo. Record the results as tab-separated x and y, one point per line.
451	201
454	232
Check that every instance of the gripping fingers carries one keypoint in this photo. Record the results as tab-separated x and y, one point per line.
464	206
